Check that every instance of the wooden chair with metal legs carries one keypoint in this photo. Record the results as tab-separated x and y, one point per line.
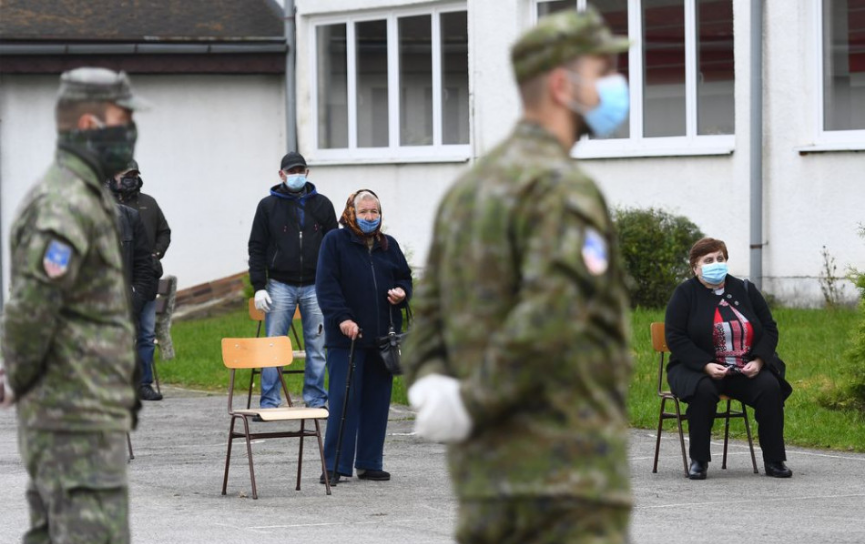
659	344
274	352
258	316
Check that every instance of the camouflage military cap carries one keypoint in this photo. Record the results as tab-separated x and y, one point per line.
99	85
559	38
133	166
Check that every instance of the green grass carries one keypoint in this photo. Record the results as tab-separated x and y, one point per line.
198	356
813	343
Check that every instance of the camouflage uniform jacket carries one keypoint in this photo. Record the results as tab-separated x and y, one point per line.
523	300
67	335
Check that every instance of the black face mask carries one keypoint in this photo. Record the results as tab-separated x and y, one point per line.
112	146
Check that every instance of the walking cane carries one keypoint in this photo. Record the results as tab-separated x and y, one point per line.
344	406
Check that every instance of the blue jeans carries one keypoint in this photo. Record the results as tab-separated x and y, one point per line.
366	418
146	336
285	299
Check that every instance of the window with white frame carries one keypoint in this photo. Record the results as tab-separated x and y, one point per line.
681	73
843	59
392	86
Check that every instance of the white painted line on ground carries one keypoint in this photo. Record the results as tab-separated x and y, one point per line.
740	501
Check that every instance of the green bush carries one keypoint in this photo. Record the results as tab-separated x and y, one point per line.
654	246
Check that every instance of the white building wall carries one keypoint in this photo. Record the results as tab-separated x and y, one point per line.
208	150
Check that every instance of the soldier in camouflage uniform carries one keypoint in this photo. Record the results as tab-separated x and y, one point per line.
67	334
518	355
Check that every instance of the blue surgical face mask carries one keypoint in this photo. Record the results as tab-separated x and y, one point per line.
366	226
714	273
295	182
612	109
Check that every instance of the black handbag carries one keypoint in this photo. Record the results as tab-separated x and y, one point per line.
390	346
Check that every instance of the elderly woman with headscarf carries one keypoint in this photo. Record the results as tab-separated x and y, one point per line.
362	282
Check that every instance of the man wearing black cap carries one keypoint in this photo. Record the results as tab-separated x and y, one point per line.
287	231
127	189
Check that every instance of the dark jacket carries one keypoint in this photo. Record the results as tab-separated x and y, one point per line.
689	331
156	227
352	283
137	259
286	235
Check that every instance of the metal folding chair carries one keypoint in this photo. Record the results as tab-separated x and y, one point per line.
274	352
659	344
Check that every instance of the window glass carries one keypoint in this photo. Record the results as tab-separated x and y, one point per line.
332	87
844	64
715	75
372	86
547	8
664	109
415	76
455	77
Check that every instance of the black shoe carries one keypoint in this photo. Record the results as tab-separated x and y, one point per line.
373	475
147	393
334	478
777	469
698	470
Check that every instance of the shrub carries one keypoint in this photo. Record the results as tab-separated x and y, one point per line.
654	246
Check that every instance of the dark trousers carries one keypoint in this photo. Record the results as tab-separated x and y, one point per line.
366	420
761	392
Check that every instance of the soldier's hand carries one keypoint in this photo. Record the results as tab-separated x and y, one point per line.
262	301
442	415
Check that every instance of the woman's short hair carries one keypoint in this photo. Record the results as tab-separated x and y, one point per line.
366	195
705	246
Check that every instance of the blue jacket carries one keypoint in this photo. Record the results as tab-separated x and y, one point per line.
352	282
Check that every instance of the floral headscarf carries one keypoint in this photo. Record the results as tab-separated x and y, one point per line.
349	219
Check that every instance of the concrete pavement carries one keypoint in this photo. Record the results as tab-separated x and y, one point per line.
176	481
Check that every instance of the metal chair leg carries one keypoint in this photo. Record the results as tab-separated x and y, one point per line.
750	440
228	454
726	434
249	454
155	375
129	445
681	435
300	454
658	436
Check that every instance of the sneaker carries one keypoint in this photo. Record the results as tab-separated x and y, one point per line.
373	475
334	478
147	393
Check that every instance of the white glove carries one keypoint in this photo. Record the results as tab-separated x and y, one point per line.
441	416
262	301
7	396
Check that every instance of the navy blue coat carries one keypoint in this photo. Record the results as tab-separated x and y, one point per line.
352	282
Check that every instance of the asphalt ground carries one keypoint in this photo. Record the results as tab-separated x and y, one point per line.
176	480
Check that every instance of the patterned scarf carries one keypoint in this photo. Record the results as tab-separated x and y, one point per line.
349	220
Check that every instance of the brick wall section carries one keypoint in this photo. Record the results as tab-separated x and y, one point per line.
211	291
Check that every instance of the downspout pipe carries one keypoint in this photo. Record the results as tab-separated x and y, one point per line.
290	77
756	151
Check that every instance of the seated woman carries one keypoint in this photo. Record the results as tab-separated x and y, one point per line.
362	282
722	341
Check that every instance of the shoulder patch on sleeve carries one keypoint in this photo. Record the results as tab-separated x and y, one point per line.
595	252
56	259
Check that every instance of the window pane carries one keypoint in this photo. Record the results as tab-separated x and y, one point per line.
615	12
332	87
664	68
715	80
372	92
455	77
415	76
547	8
844	64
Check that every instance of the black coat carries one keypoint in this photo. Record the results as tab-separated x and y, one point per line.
352	283
286	235
689	331
137	259
155	225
